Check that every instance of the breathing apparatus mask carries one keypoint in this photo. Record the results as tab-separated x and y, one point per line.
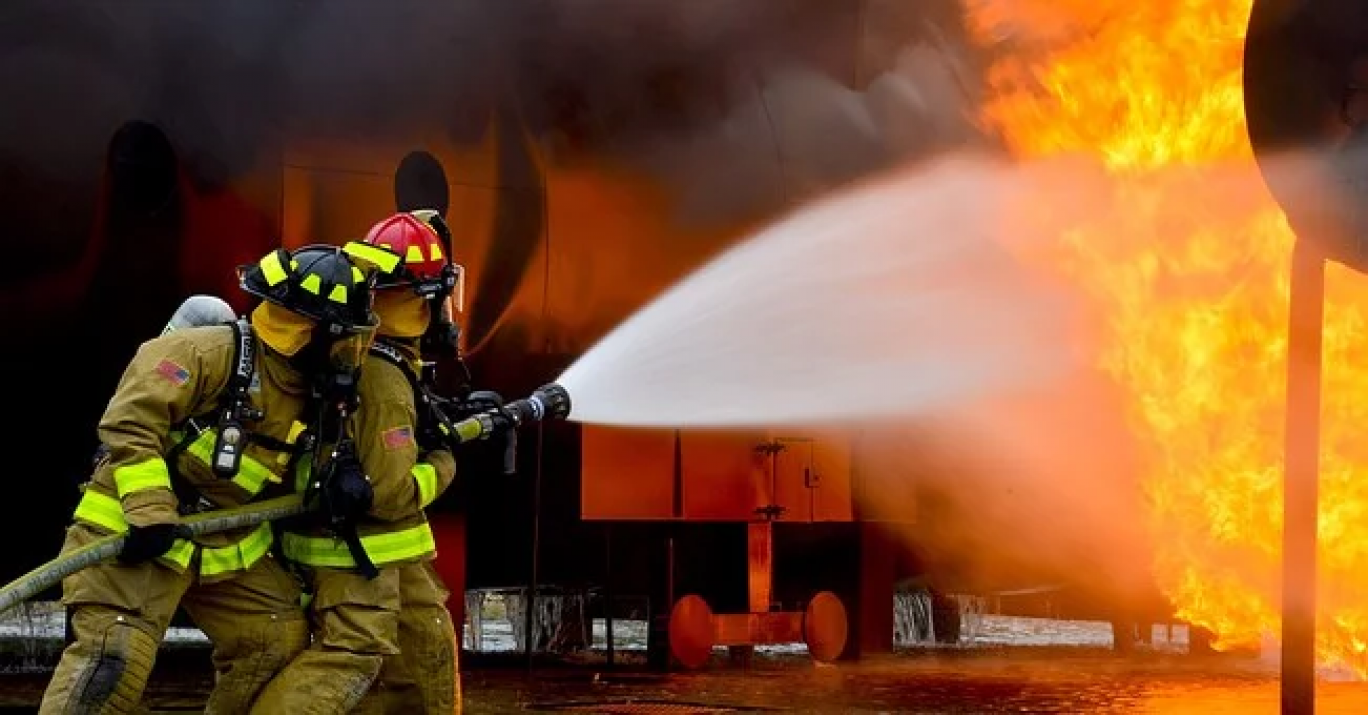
341	357
446	300
441	341
445	293
328	355
318	311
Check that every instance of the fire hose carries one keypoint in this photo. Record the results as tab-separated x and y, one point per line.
546	402
51	573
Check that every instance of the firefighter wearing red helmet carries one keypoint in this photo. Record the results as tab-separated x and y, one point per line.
421	301
433	280
393	629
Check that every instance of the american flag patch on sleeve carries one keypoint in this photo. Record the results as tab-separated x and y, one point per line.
398	438
175	374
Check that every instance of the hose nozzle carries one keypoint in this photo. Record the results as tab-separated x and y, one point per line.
554	399
549	401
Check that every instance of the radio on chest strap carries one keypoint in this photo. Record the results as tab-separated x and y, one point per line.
237	406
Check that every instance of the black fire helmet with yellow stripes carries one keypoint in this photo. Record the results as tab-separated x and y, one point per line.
331	285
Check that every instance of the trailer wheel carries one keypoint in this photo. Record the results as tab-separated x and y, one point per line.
691	631
825	627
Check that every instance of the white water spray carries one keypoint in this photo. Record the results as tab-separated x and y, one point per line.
893	298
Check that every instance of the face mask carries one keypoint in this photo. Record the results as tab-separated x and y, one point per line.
336	381
443	336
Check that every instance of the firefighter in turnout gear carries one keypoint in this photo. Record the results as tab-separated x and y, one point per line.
416	307
394	627
205	418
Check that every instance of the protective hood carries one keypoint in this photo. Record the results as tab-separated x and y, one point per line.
283	331
403	314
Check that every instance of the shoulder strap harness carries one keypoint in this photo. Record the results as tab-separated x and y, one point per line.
429	403
236	405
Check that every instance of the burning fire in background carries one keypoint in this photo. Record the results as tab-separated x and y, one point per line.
1188	262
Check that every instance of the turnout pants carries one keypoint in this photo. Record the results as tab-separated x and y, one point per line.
355	626
424	677
120	613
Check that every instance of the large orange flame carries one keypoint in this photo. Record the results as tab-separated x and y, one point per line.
1188	262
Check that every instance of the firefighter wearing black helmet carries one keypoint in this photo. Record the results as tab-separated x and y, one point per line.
205	418
363	608
380	621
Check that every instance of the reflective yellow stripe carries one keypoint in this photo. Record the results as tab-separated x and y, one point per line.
181	553
312	283
148	474
252	475
236	557
415	254
295	430
338	294
435	252
385	260
104	511
383	549
101	510
271	269
303	472
426	476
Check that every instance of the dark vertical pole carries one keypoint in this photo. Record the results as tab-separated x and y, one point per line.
663	580
608	590
1301	479
531	602
669	590
677	478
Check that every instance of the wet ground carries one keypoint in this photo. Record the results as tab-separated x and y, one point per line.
1017	680
1003	665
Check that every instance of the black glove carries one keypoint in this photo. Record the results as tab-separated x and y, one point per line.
347	496
145	543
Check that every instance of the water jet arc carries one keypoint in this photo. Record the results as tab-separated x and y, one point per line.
1298	61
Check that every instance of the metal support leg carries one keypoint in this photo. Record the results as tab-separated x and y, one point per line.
1301	480
529	617
608	592
760	565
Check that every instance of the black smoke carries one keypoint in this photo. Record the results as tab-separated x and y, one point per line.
743	107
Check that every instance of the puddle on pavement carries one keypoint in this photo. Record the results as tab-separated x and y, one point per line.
1046	681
